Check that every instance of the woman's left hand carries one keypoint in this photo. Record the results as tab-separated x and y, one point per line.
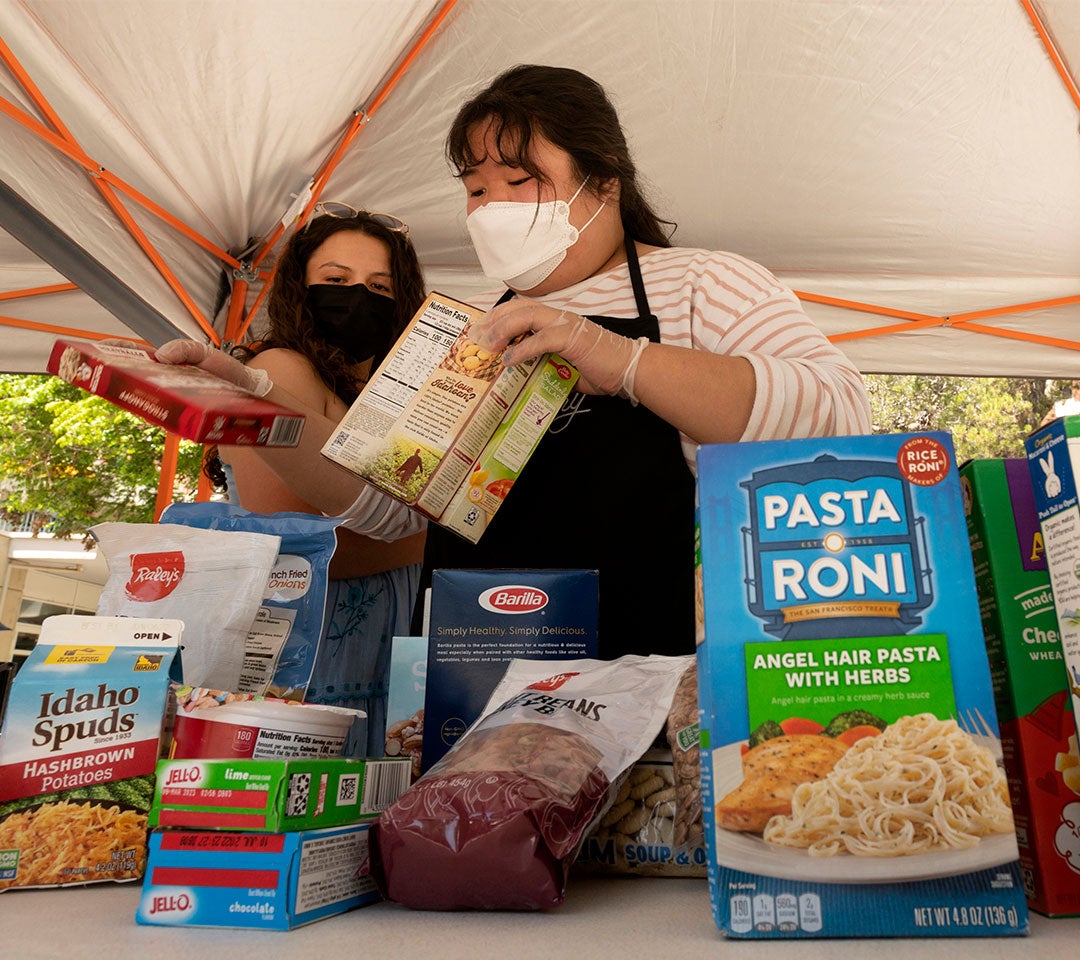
607	362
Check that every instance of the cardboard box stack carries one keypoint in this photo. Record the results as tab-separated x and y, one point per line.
270	842
1038	734
842	644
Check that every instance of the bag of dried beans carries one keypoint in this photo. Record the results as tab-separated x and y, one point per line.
497	822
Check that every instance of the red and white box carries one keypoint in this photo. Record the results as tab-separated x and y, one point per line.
183	399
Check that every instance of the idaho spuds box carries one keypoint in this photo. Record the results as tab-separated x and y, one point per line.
480	620
1028	672
264	881
183	399
842	644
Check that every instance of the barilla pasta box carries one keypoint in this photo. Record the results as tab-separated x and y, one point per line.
851	764
261	881
80	740
482	619
1038	735
1053	454
184	399
423	422
274	795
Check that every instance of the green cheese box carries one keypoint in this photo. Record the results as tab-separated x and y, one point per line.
275	795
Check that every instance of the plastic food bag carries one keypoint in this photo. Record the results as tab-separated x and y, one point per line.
211	579
284	638
496	823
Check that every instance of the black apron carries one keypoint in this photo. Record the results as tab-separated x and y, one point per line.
608	489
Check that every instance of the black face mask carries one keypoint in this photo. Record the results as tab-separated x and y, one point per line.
353	318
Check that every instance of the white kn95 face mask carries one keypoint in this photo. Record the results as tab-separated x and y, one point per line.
520	244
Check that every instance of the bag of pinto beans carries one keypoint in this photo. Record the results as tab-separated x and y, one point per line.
497	823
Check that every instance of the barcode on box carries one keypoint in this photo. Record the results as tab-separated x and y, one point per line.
285	432
384	782
348	789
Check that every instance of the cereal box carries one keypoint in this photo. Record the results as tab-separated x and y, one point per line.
480	621
183	399
405	699
1037	732
1053	454
427	415
851	764
274	795
261	881
80	740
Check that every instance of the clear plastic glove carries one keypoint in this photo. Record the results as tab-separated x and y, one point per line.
606	361
217	362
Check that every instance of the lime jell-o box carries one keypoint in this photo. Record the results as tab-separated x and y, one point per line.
274	795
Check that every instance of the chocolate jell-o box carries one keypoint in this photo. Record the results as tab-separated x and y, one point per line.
183	399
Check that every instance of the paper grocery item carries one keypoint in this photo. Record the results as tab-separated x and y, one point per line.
443	425
183	399
842	646
1028	670
80	740
212	580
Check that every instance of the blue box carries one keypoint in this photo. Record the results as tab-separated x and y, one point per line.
839	609
264	881
482	619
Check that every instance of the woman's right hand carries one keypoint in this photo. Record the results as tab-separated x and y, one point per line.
217	362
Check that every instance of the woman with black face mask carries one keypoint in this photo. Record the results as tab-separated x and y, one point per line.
345	287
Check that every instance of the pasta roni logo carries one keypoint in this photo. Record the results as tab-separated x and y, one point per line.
154	575
835	548
513	599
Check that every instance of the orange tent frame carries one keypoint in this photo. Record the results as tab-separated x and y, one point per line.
238	320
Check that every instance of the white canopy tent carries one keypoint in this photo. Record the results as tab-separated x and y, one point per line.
910	167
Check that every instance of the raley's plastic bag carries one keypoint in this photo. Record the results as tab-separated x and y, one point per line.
213	580
496	823
284	638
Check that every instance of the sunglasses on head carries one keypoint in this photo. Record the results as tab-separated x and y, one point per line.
342	211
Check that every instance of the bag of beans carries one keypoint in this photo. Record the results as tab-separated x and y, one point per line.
497	822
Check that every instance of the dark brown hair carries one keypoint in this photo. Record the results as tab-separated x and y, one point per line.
290	323
571	111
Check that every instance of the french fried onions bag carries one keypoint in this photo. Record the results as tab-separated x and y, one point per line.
497	822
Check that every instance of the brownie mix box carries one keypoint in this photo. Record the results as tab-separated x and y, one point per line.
274	795
183	399
81	736
426	417
1037	731
480	620
851	767
260	881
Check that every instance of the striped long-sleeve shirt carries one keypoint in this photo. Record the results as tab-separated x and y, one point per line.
726	304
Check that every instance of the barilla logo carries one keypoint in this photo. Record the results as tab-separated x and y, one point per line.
177	905
154	575
184	776
552	683
513	598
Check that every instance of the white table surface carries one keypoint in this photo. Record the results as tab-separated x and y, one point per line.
616	917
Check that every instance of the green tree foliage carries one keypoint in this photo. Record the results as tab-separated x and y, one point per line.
988	417
78	458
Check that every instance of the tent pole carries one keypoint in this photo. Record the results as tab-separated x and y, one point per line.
170	457
63	254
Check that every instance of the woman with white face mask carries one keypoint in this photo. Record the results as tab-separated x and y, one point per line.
676	347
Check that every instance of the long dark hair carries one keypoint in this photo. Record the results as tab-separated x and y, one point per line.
291	324
571	111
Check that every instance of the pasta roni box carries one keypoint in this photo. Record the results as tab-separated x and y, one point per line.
265	881
1037	731
80	740
274	795
442	418
183	399
851	774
